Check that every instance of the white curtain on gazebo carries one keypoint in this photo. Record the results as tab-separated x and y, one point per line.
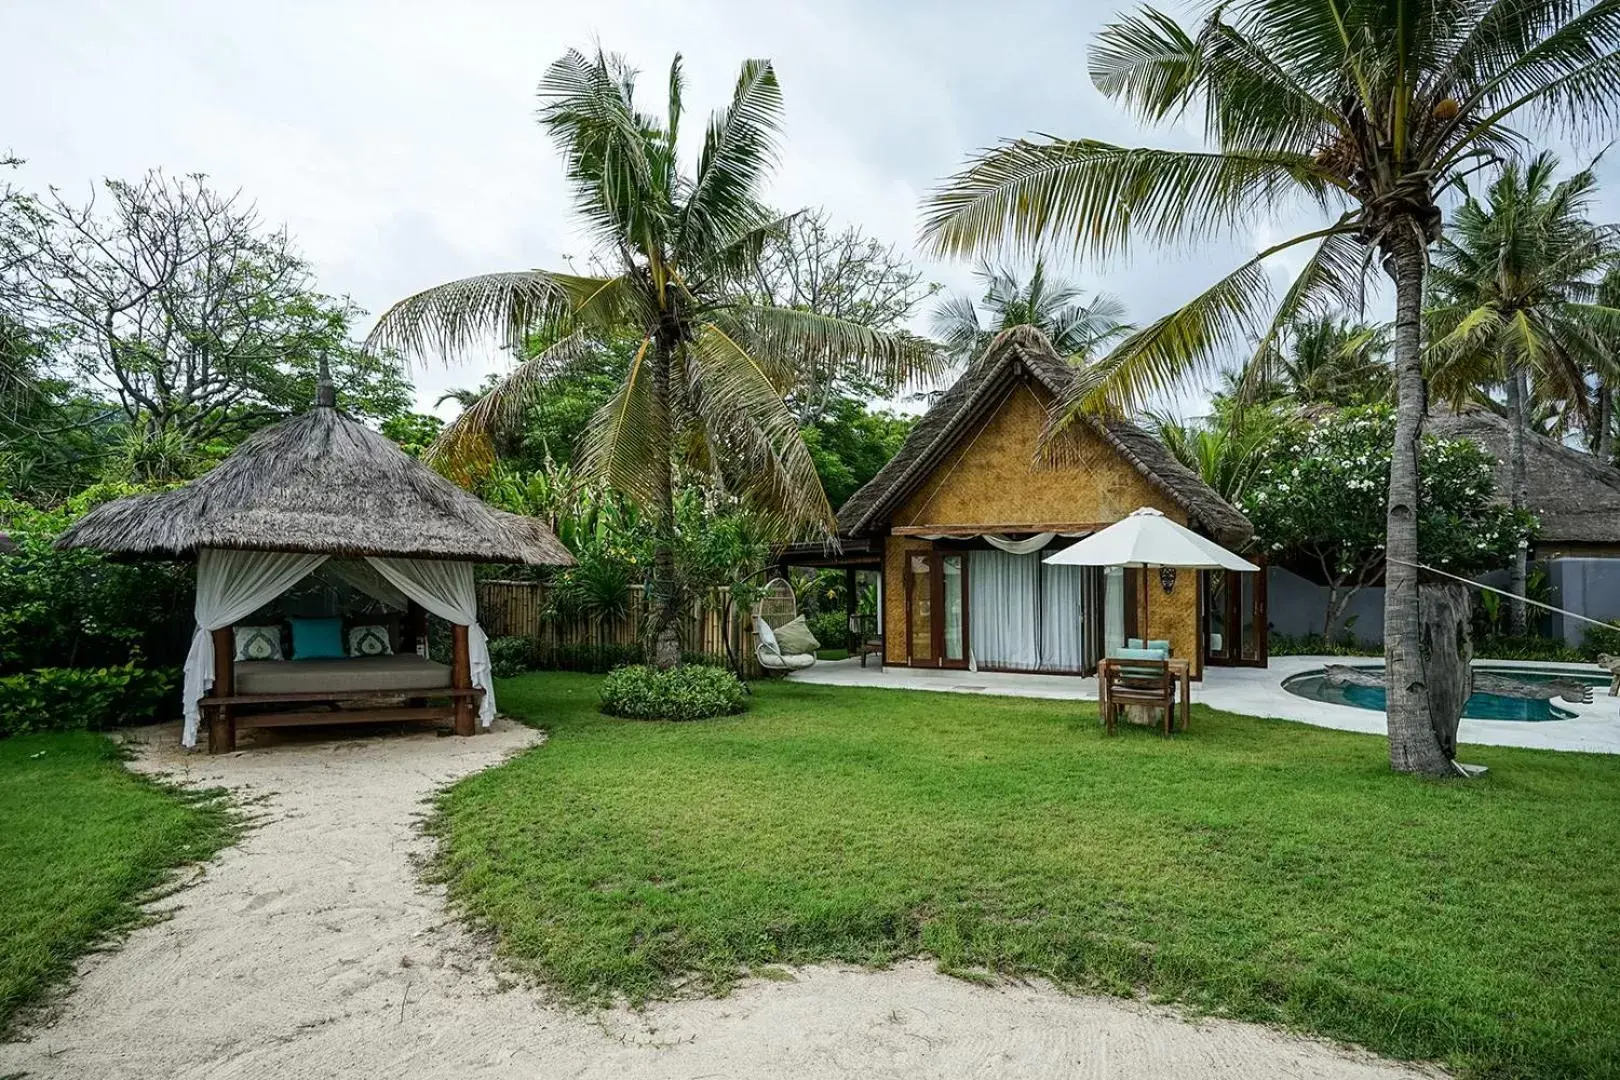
446	589
232	585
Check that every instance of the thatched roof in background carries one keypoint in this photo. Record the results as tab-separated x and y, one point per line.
1576	496
966	403
322	483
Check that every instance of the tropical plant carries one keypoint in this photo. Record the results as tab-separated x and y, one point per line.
1365	110
1077	328
1515	286
705	391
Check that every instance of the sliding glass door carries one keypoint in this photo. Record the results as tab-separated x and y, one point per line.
1235	625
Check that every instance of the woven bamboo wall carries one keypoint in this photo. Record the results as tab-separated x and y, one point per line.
518	609
993	479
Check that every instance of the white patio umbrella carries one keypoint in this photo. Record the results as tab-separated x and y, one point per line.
1149	539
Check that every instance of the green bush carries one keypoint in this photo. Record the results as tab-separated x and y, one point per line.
1316	645
1601	639
687	692
509	656
831	629
1529	647
65	699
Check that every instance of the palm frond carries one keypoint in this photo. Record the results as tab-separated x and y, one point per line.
466	446
756	435
628	441
1147	61
449	318
1098	197
799	346
738	150
587	105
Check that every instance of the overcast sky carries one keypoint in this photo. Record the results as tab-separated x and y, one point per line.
397	139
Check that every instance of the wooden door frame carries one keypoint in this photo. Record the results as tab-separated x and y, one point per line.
936	600
1232	621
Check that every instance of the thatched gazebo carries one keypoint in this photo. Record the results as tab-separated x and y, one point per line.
318	489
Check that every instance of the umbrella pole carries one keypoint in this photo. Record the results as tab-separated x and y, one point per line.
1146	633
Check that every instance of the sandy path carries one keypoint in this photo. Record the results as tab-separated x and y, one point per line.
311	950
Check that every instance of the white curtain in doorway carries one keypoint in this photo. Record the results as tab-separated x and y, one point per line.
446	589
231	585
1004	597
1062	618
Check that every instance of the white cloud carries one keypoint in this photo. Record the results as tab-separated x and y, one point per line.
397	139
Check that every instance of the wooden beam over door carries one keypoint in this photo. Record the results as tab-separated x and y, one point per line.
990	530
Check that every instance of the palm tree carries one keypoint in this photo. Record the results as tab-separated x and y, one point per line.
1225	451
1516	284
1058	309
1319	360
703	392
1365	111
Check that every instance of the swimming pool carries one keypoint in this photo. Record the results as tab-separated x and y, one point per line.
1313	685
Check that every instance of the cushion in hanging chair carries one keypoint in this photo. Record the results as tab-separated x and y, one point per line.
795	637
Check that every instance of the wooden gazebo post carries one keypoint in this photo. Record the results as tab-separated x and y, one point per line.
222	718
461	679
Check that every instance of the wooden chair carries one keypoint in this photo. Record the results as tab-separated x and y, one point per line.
864	636
1136	682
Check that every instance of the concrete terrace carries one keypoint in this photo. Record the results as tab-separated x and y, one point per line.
1256	692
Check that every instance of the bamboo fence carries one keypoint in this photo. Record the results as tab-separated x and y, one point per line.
520	609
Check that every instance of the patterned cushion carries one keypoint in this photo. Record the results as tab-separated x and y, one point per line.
369	641
258	642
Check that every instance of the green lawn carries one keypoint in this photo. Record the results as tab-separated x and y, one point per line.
81	840
1256	868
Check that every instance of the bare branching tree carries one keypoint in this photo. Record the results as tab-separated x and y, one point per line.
174	299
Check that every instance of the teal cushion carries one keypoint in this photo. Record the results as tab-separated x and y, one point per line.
317	639
1130	671
1156	643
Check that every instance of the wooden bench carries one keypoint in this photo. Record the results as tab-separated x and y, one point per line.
220	707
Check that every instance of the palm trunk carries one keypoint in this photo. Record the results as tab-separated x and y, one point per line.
1603	447
1517	497
1413	745
664	634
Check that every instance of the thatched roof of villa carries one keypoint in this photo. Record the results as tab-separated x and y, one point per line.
1024	349
1575	496
320	483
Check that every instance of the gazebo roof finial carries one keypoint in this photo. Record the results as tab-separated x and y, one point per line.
325	392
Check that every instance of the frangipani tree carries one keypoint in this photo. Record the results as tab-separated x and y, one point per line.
1364	112
704	390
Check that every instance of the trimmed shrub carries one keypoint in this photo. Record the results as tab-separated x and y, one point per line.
66	699
687	692
509	656
831	628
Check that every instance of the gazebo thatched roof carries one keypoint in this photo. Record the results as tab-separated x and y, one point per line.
1575	496
319	483
1025	349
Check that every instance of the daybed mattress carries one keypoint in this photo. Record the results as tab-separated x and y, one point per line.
404	671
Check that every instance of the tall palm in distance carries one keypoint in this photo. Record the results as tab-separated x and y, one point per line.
1516	303
1365	112
1318	360
703	394
1077	328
